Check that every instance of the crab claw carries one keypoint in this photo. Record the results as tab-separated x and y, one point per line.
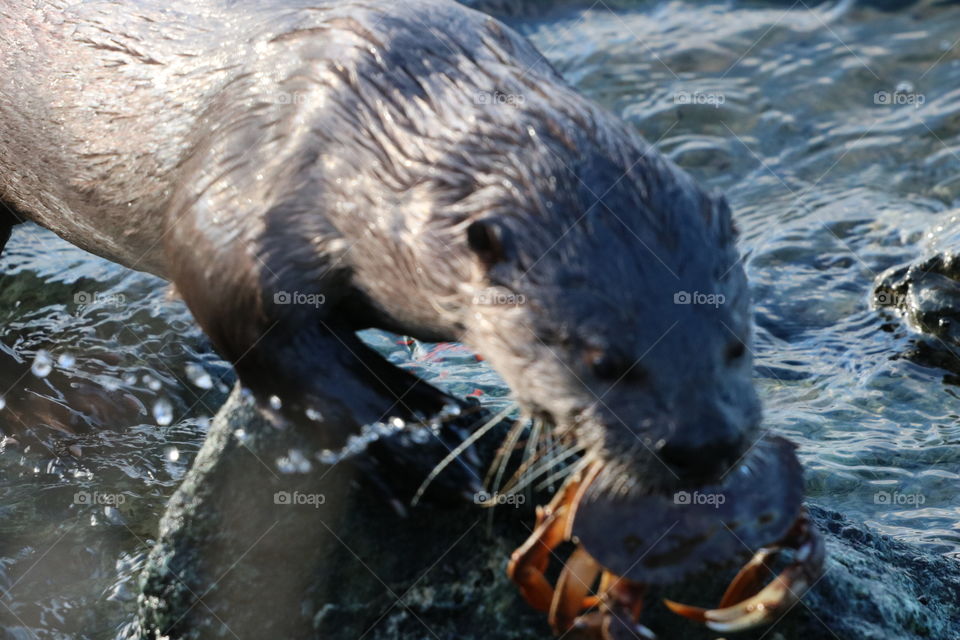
738	612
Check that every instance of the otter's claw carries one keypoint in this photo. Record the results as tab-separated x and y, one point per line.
738	610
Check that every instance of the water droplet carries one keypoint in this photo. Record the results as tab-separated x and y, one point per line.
66	360
42	364
130	379
172	454
240	435
275	403
113	515
451	409
152	383
199	376
163	412
294	462
3	402
312	414
397	423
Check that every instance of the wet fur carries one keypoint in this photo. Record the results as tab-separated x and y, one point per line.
243	149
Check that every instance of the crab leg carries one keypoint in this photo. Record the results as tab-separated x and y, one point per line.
773	600
529	562
573	587
554	522
619	601
621	606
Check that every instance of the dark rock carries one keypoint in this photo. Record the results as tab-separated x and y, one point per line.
234	560
926	293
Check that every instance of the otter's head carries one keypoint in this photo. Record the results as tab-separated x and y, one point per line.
607	290
613	302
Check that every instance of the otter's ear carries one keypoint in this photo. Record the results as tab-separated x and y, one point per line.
489	240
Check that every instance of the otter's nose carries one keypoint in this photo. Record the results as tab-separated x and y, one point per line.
702	459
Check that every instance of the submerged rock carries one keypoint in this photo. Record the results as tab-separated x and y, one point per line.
248	551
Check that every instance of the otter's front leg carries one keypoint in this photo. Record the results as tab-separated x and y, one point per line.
312	370
290	341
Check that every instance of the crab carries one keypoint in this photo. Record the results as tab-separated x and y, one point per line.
680	539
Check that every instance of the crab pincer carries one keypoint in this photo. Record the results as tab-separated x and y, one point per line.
745	605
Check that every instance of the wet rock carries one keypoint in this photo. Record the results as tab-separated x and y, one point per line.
926	293
247	551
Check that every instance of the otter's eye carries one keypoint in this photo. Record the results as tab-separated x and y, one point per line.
487	239
735	351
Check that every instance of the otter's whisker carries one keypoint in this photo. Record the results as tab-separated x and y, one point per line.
544	450
548	439
562	474
533	454
504	455
463	446
533	442
545	467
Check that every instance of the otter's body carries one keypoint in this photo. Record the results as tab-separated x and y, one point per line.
302	169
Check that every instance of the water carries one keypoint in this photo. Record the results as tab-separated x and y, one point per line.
831	182
834	133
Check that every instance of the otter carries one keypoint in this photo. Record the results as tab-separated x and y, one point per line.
303	169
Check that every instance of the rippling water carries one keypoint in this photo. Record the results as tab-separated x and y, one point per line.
833	131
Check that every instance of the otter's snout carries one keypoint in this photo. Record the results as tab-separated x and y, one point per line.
709	459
